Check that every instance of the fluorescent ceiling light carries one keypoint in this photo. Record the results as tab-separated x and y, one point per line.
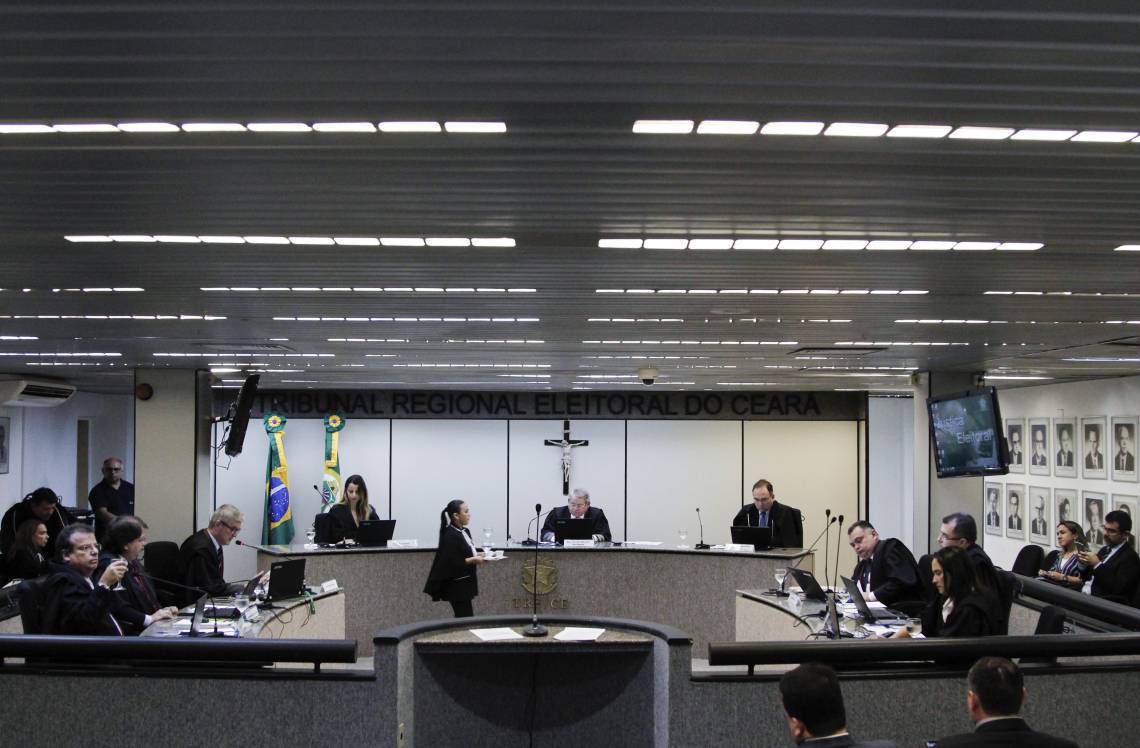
24	129
344	127
147	127
222	240
981	133
855	130
801	243
475	126
351	241
919	131
1019	246
1128	248
888	245
1013	377
1036	134
619	243
663	126
974	246
666	243
727	127
176	239
500	241
266	240
213	127
320	240
401	241
448	241
409	127
710	244
791	128
847	244
131	238
1103	136
931	245
278	127
755	244
94	127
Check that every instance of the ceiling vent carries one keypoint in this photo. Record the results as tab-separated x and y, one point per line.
847	350
245	347
34	393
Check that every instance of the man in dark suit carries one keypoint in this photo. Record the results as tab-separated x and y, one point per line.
200	560
786	523
77	605
1115	567
813	707
1094	459
1065	453
993	517
1014	511
886	570
578	507
1124	461
1016	456
41	504
959	530
994	700
1039	457
1038	526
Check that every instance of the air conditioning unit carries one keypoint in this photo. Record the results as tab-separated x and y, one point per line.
34	393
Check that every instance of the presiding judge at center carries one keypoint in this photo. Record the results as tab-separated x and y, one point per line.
578	507
352	509
786	523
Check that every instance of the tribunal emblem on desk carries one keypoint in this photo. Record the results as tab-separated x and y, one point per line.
547	576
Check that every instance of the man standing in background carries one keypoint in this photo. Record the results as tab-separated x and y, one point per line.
111	497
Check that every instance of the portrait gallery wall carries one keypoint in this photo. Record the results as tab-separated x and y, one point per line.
648	460
1072	457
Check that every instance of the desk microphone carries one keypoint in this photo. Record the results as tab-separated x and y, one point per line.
783	585
262	548
838	540
701	546
535	628
534	520
827	547
199	590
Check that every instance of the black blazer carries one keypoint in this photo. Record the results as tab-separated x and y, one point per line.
21	511
894	573
79	609
983	566
601	524
846	741
976	614
200	566
1118	577
786	523
344	526
133	607
451	577
21	563
1003	732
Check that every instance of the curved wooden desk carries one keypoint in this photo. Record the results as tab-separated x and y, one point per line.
691	590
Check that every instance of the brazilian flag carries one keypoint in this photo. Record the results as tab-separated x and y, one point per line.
277	529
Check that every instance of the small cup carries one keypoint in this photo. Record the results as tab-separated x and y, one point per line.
914	626
488	554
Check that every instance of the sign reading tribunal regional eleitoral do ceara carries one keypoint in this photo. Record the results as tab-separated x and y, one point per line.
400	404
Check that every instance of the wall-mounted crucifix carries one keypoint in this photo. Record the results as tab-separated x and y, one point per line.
566	444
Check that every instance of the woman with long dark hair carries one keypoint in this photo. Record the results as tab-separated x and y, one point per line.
26	559
352	509
965	606
1065	566
452	576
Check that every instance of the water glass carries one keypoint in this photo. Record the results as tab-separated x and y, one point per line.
682	534
241	602
914	626
488	533
781	575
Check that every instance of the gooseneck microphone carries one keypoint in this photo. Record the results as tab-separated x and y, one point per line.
838	540
701	546
535	628
782	591
262	548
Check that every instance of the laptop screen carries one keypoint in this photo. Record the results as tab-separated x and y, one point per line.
573	529
286	579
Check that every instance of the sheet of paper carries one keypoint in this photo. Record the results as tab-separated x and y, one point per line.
643	542
496	635
578	634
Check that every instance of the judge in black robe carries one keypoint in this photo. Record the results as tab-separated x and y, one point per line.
886	569
578	507
786	522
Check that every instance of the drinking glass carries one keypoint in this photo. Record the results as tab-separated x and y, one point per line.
781	575
488	533
682	534
914	626
241	602
119	584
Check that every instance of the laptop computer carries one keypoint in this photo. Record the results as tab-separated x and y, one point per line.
375	532
197	619
886	615
286	579
573	529
760	538
325	531
806	580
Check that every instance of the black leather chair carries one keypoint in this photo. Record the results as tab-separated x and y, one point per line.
1029	560
161	564
37	607
1051	623
1008	589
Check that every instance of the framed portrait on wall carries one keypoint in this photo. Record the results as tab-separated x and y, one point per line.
1092	518
1039	446
1065	448
1094	462
1130	504
5	443
1065	504
1040	528
1015	511
991	504
1015	438
1124	448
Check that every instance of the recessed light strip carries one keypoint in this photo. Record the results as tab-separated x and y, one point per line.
764	292
156	317
457	126
365	289
406	319
344	241
813	244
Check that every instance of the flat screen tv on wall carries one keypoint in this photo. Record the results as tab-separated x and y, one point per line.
239	415
965	429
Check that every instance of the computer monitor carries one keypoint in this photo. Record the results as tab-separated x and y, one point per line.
573	529
760	538
286	579
375	532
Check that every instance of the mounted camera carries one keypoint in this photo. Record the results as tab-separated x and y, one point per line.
648	375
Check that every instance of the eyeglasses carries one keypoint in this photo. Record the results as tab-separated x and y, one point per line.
231	528
944	536
89	548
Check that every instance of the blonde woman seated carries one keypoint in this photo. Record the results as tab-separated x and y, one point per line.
1065	566
352	509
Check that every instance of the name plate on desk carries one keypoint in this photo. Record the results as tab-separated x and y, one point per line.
568	543
412	543
738	547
